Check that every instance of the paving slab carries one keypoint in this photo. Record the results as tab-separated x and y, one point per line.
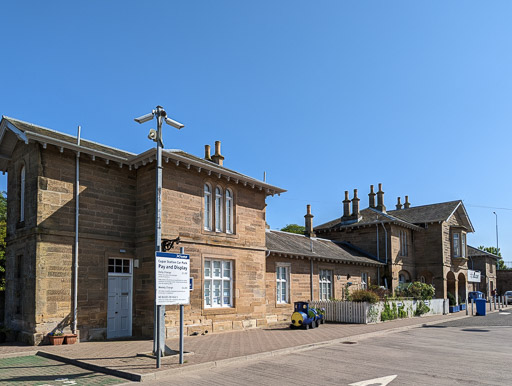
37	370
121	358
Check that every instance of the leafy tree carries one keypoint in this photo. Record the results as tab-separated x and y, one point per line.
294	228
3	227
501	264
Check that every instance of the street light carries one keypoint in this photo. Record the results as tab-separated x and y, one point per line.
160	115
497	250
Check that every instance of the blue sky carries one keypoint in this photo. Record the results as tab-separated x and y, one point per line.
324	96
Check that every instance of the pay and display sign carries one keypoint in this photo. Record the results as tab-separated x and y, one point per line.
172	278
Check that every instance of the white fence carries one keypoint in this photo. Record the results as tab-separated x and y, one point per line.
364	313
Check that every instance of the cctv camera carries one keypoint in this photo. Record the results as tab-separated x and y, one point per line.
152	134
173	123
144	118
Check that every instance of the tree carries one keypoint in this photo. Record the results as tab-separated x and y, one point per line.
294	228
3	228
497	252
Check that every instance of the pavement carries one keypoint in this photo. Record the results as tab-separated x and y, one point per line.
121	359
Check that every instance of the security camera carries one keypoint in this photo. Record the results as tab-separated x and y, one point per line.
144	118
173	123
153	135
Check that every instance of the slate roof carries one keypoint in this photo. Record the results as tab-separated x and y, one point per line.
406	217
31	128
475	252
367	216
28	131
427	213
299	245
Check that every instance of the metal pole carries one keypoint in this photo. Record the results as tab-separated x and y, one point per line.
77	211
497	248
158	225
182	307
311	277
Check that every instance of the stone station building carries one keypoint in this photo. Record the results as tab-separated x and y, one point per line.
218	214
424	243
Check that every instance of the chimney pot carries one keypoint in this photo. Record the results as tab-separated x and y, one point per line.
217	157
407	204
207	155
398	203
355	205
346	206
380	200
371	196
308	231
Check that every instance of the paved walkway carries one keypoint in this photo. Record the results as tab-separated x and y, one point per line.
120	357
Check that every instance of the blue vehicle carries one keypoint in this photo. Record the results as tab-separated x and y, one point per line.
305	316
475	295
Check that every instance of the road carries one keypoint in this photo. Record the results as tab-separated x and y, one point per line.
470	351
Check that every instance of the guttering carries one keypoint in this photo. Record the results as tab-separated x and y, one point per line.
77	210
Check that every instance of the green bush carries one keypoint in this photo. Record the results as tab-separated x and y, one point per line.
451	299
416	290
380	291
389	312
421	308
364	296
402	312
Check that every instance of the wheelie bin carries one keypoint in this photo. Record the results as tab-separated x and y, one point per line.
480	306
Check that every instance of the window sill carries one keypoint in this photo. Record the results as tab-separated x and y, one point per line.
220	234
283	305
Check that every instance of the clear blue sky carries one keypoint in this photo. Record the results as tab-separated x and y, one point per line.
324	96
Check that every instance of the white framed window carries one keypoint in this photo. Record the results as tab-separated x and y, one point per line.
403	244
422	279
456	245
401	279
120	266
364	280
218	209
283	283
229	211
218	283
207	207
22	193
463	244
325	277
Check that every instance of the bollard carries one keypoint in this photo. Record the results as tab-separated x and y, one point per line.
472	304
490	304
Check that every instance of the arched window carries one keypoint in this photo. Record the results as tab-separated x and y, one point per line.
229	211
207	207
422	279
22	194
218	209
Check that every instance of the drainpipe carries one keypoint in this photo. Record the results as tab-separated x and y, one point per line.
311	277
77	190
378	254
386	247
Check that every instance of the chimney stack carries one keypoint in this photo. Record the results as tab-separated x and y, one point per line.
346	206
207	155
355	205
398	203
217	157
371	196
407	204
380	200
309	223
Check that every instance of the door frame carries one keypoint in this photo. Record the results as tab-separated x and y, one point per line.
119	274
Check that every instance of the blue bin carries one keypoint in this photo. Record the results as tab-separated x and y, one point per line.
480	306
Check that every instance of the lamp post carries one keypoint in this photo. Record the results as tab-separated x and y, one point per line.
156	136
497	249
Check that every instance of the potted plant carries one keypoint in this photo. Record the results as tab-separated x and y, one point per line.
56	338
462	303
70	338
453	303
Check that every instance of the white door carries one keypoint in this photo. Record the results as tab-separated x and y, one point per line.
119	308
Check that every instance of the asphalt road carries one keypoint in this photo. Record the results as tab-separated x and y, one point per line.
470	351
